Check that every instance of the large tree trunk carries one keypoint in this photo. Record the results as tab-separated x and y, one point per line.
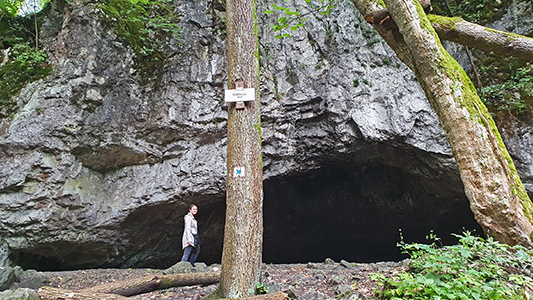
243	233
497	197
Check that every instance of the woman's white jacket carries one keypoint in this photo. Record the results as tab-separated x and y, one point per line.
191	228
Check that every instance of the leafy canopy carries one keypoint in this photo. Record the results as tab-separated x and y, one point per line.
11	7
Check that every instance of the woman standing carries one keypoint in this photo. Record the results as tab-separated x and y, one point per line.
190	242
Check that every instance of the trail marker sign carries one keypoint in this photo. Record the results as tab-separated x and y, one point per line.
239	95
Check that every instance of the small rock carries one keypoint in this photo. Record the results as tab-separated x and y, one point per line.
334	280
357	296
313	265
329	261
343	289
313	295
273	287
292	293
7	276
319	275
19	294
347	264
200	267
31	279
405	262
210	289
180	267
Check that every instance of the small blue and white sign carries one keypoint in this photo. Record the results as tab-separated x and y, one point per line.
238	172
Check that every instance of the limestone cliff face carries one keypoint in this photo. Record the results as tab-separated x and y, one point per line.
102	160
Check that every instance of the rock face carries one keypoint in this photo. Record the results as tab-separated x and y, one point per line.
102	160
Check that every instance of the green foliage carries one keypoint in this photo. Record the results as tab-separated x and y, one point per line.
15	28
294	20
475	268
11	7
508	84
146	25
477	11
25	65
261	289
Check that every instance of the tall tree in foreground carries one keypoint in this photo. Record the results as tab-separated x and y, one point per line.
243	233
497	197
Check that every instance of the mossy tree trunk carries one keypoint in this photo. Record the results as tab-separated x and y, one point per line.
489	40
243	233
497	197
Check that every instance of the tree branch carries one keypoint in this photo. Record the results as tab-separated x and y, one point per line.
465	33
476	36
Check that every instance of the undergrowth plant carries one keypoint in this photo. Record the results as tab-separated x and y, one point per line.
477	11
25	64
295	20
511	94
146	25
475	268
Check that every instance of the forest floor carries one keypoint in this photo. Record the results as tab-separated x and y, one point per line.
328	280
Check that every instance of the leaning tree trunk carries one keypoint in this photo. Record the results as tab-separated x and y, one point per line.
497	197
243	234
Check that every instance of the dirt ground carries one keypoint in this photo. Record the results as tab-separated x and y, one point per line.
328	280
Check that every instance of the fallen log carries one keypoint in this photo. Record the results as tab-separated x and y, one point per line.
150	283
271	296
50	293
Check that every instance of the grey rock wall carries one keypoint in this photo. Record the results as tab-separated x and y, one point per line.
102	160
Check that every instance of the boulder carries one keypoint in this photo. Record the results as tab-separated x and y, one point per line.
7	277
19	294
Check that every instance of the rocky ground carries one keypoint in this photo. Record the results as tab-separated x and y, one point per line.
328	280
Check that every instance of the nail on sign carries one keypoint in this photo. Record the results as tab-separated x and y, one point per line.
238	95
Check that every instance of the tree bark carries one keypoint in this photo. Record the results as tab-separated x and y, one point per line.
147	284
476	36
497	197
243	233
468	34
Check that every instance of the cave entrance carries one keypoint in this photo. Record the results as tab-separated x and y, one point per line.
355	213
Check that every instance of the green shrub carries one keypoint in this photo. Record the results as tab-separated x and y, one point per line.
475	268
146	25
509	94
25	65
477	11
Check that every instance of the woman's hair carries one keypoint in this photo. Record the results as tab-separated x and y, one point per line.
192	205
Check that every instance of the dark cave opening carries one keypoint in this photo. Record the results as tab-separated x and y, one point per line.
356	214
351	212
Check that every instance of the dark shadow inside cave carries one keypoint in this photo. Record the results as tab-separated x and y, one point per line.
355	213
345	211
